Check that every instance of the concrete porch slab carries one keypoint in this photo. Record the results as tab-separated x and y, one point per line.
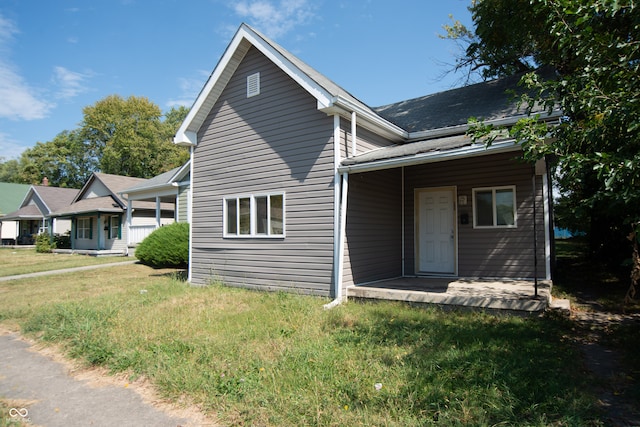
511	295
91	252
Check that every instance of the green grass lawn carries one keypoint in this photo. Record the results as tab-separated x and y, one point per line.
276	359
21	261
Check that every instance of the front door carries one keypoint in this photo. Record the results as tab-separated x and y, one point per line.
436	231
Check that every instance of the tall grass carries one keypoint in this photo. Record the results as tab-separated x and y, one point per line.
268	359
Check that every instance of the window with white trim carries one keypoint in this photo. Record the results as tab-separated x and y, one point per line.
253	85
83	229
259	215
494	207
114	227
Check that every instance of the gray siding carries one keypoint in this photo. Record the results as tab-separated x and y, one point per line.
483	252
276	141
183	204
373	249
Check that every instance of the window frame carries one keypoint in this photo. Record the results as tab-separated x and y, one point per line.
253	216
117	234
85	232
494	207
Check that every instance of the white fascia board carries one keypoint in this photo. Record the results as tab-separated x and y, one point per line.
160	190
372	121
433	157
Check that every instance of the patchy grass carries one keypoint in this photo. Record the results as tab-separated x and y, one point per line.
22	261
269	359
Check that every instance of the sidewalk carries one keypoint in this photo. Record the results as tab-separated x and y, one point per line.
64	271
53	398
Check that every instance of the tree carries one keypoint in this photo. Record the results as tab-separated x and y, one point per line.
594	48
129	138
65	161
10	171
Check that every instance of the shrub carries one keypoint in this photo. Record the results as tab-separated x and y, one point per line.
44	244
167	246
62	241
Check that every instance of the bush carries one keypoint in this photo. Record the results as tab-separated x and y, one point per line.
44	243
62	241
167	246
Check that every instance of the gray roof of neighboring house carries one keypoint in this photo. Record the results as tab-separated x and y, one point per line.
94	204
52	197
164	179
115	183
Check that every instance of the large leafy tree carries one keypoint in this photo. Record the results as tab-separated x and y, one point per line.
594	48
129	138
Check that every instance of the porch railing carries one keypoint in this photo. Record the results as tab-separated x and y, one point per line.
137	233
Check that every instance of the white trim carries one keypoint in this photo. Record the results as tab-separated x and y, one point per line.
494	206
402	220
189	214
253	234
337	280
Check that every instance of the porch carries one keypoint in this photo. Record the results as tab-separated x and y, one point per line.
509	295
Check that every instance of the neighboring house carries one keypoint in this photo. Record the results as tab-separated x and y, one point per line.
34	214
297	185
11	196
171	188
99	217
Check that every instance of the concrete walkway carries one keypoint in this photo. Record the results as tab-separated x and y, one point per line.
46	395
64	271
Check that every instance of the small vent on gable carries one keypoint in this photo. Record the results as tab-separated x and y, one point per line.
253	85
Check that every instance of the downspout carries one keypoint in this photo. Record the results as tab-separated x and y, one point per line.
129	217
402	220
190	214
337	262
353	134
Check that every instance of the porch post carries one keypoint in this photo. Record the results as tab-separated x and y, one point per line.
99	225
129	210
158	222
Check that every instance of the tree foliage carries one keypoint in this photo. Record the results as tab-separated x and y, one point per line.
593	47
119	136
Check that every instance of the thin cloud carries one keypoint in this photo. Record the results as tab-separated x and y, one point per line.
273	18
10	148
189	88
70	83
19	100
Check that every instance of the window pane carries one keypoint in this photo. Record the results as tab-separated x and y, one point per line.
505	207
245	216
261	215
277	215
484	208
232	215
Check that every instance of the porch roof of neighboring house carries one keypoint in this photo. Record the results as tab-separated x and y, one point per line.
105	204
163	184
29	212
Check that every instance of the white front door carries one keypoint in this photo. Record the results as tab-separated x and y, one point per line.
436	231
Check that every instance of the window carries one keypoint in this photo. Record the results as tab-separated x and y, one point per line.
83	230
254	216
494	207
253	85
114	227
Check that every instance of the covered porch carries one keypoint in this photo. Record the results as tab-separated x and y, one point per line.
491	294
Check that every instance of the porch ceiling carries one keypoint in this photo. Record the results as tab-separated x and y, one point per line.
510	295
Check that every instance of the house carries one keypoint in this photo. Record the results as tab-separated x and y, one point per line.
297	185
34	213
99	216
11	196
172	188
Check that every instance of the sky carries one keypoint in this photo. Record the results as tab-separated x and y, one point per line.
59	56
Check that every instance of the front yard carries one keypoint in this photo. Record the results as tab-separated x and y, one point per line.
253	358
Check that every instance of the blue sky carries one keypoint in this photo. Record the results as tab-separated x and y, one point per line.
59	56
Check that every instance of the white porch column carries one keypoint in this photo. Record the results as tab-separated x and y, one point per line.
129	211
158	217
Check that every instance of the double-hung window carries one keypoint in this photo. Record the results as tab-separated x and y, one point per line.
83	230
259	215
494	207
114	227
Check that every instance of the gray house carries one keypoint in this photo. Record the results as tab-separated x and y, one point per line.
298	185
